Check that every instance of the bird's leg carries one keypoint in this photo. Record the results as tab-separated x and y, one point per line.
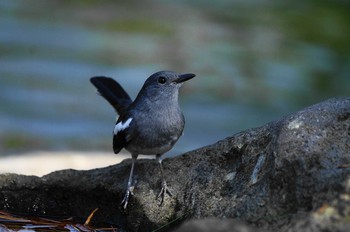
165	188
130	187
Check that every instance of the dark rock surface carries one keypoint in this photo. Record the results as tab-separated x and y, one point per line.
289	175
216	225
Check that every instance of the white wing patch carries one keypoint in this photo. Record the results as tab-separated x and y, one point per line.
122	126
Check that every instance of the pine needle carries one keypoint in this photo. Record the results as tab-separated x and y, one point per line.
90	217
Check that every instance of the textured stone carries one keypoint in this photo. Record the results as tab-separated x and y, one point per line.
289	175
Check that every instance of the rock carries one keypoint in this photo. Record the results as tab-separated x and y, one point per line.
216	225
289	175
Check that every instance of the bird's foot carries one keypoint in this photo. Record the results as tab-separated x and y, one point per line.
164	191
125	200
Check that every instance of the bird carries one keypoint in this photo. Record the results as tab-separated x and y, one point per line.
149	125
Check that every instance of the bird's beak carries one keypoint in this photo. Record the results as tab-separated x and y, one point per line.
184	77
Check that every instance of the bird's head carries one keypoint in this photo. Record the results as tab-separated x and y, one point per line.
164	84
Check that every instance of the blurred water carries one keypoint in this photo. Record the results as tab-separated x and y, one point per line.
255	61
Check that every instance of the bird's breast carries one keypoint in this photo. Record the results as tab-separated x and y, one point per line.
156	132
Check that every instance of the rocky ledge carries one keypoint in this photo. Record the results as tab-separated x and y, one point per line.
289	175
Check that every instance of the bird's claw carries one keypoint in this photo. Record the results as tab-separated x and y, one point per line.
163	192
125	200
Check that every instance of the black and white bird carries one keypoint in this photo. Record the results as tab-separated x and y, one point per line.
149	125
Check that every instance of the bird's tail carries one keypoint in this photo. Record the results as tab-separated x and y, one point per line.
112	92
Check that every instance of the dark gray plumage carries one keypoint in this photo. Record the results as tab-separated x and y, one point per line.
151	124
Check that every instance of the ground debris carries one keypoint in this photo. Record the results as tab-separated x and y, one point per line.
11	223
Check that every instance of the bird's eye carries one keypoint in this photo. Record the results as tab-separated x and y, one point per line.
161	80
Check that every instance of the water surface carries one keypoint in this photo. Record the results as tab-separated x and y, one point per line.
255	62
